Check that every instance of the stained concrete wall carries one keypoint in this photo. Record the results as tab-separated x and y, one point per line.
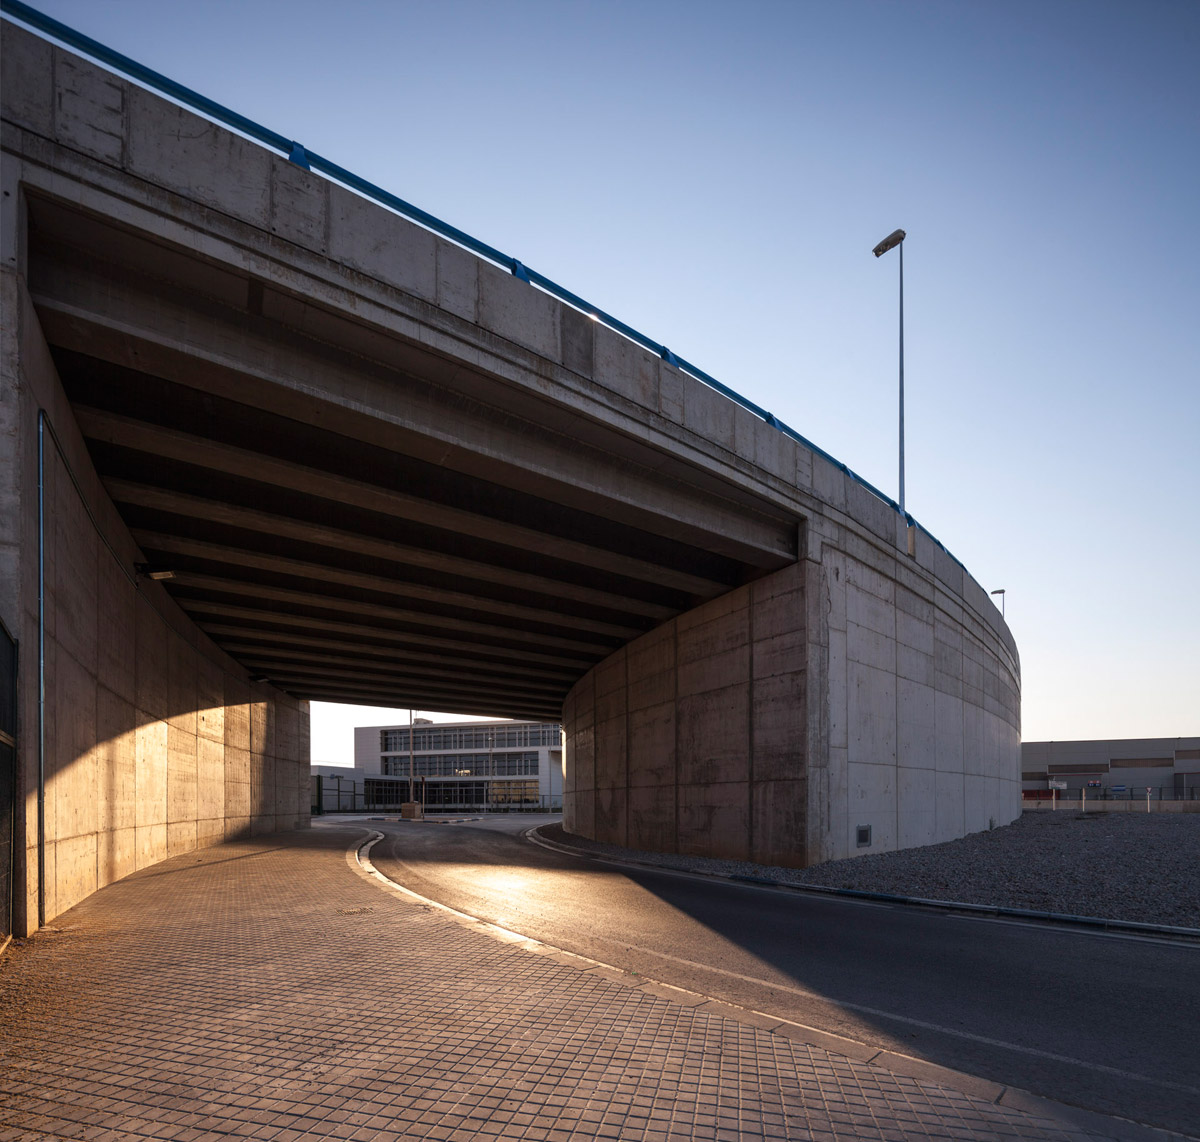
155	742
855	689
923	699
691	739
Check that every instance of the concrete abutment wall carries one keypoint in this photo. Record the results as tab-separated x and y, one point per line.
856	690
156	743
692	738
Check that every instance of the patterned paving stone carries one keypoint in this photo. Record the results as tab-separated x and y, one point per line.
261	990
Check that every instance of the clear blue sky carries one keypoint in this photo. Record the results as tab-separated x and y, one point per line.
716	174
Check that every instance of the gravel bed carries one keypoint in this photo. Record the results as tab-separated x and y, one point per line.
1143	867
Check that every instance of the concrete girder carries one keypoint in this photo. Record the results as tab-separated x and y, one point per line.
325	668
268	524
349	669
424	698
222	555
373	634
97	424
288	297
412	619
271	661
264	368
235	639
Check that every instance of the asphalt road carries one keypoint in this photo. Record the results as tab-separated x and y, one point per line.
1110	1023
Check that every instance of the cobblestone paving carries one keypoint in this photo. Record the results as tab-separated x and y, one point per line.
261	990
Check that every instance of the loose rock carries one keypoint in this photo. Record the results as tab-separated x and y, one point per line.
1143	867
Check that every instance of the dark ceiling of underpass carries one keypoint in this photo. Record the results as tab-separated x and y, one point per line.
345	569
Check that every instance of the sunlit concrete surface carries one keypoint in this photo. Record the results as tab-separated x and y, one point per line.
384	470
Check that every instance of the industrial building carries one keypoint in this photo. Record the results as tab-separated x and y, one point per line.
1121	769
448	767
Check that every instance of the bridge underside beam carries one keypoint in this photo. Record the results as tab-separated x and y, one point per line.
356	517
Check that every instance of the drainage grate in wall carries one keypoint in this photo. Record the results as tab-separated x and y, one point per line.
864	836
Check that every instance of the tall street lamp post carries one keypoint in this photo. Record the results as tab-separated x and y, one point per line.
896	238
1000	591
411	752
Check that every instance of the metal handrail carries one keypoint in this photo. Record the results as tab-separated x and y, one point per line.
309	160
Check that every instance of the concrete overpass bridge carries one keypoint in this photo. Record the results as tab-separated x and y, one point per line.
383	463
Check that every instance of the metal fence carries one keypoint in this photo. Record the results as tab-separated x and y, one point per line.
1189	792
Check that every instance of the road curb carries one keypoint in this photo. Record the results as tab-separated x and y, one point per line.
1094	923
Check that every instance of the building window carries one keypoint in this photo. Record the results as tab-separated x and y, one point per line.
432	739
514	793
378	793
507	764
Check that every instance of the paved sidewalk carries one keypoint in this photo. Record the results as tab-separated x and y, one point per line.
264	990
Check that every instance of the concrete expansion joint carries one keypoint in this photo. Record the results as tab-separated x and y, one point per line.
1127	928
359	860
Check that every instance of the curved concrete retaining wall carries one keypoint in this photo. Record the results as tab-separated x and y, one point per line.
864	699
157	743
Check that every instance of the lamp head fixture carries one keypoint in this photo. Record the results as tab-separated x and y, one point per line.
890	242
153	571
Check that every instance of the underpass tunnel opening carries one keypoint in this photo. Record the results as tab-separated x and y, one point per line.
347	555
236	534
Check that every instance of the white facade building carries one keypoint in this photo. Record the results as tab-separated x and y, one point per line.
459	765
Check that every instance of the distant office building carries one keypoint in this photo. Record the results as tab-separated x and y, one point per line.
457	765
1123	768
